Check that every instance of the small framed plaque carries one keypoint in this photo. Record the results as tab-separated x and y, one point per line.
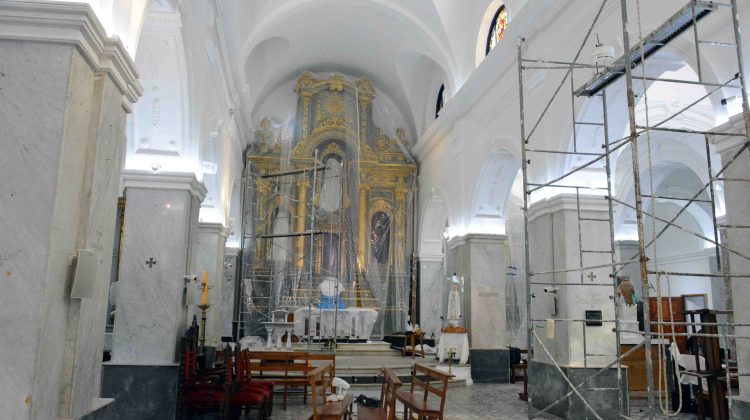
593	318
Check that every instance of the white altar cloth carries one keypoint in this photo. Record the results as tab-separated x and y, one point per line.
459	342
354	323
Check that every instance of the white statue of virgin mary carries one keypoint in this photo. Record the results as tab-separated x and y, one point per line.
453	317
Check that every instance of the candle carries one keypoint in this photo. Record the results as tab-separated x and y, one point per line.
204	298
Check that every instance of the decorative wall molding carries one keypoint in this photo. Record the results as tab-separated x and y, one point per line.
75	24
164	181
567	202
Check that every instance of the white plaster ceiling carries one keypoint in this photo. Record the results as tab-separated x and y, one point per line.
406	48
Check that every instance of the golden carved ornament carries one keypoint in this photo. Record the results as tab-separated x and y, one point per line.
306	79
336	82
335	103
380	204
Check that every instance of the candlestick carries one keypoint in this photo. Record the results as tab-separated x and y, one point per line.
203	308
204	297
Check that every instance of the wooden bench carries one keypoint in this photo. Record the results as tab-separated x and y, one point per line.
387	411
285	368
318	377
419	404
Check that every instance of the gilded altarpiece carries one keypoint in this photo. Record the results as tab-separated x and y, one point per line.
353	203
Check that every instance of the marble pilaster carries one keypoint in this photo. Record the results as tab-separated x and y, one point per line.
64	91
209	251
161	215
737	201
481	259
556	238
554	243
432	286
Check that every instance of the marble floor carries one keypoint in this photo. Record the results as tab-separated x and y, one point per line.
475	402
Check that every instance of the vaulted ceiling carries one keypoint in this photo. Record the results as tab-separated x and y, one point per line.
406	48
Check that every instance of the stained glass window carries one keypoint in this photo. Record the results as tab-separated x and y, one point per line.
497	28
440	100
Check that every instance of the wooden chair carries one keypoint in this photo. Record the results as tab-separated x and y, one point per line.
412	340
419	404
329	409
391	384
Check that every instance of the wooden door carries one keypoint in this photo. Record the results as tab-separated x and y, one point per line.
675	315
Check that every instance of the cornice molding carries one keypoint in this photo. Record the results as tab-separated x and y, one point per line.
477	238
74	24
231	251
184	181
212	227
567	202
736	124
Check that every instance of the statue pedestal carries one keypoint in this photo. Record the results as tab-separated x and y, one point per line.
454	342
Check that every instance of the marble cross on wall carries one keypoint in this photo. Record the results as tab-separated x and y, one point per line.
151	262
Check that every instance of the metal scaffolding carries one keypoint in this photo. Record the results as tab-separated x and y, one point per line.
683	24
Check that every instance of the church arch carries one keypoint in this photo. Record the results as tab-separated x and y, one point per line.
491	192
432	230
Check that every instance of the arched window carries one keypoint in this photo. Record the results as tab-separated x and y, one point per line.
440	100
497	28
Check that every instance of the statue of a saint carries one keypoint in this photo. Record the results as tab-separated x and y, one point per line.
453	316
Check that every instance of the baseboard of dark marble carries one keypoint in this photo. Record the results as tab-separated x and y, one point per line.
740	409
546	386
103	405
490	366
140	392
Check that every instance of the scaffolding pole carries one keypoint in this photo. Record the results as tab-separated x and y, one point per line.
684	21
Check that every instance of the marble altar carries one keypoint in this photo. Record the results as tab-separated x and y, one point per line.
355	323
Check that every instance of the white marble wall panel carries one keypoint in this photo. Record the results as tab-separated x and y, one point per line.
29	168
737	201
432	289
61	124
481	259
209	251
150	313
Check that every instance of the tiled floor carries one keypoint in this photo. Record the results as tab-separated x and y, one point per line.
478	401
474	402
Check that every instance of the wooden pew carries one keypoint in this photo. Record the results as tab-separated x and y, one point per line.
285	369
418	403
391	384
329	409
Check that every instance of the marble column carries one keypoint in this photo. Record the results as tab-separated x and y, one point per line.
65	89
481	260
737	201
160	229
209	256
556	239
